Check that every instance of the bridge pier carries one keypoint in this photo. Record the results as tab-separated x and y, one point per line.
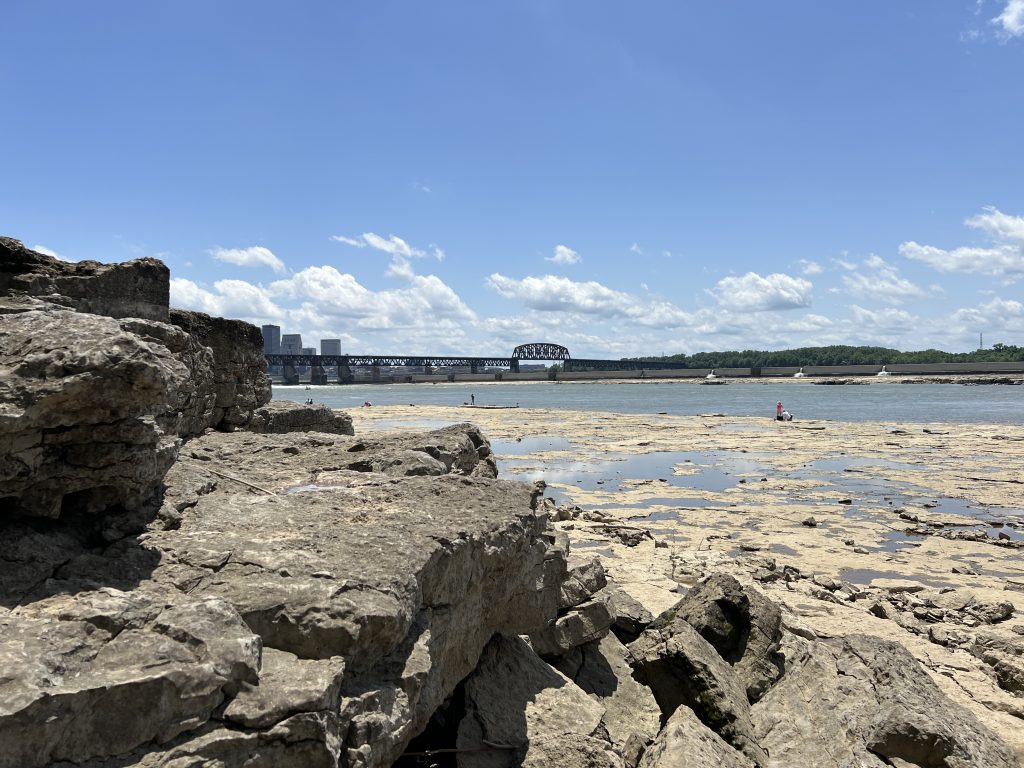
514	366
472	366
317	375
345	374
289	374
567	365
375	374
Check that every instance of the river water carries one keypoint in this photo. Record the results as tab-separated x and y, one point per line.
881	401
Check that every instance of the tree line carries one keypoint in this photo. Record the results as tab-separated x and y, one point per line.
837	355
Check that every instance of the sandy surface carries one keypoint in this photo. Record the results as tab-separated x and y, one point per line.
729	494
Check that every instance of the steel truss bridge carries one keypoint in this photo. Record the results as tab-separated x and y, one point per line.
450	361
535	351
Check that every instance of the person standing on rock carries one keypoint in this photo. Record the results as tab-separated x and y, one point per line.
472	399
778	411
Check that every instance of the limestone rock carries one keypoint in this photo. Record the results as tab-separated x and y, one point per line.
139	288
1005	654
684	669
287	685
601	669
280	416
586	576
867	702
98	674
742	625
513	698
581	624
631	618
686	742
240	381
89	408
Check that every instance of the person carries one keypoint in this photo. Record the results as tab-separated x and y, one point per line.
787	416
367	403
778	411
472	399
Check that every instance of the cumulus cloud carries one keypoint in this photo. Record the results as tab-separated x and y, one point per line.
882	281
421	303
808	267
564	255
754	293
391	244
1011	20
230	298
551	293
1004	257
256	256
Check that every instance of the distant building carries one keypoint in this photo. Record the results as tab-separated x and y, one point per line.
291	344
271	339
307	351
330	346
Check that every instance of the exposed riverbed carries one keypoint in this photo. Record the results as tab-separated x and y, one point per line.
926	505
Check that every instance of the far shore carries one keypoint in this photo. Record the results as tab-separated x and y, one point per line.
673	377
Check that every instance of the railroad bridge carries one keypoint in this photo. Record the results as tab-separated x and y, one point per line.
543	351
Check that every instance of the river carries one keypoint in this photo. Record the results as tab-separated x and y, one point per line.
878	401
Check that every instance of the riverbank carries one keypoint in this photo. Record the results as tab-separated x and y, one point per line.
908	531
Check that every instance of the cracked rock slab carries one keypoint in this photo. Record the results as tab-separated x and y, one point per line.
98	674
864	701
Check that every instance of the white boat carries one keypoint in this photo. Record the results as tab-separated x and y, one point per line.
799	374
883	372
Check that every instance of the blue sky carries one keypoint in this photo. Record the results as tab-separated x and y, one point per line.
620	178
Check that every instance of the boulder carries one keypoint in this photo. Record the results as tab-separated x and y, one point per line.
865	701
601	669
585	577
581	624
685	742
90	408
684	669
97	674
240	383
513	699
743	625
138	288
631	618
280	416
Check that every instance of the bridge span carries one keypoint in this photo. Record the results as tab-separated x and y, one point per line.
319	365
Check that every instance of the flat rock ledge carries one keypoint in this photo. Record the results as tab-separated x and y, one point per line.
319	621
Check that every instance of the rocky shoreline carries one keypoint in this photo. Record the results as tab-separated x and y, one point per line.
191	575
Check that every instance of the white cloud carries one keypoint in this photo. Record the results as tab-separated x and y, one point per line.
256	256
551	293
564	255
635	248
328	292
49	252
754	293
808	267
998	225
230	298
881	281
1004	257
349	241
1011	20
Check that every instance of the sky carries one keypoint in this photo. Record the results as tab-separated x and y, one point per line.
623	179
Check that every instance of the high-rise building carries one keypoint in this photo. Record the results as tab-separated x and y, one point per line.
291	344
307	351
330	346
271	339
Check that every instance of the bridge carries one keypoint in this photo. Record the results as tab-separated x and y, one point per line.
543	351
